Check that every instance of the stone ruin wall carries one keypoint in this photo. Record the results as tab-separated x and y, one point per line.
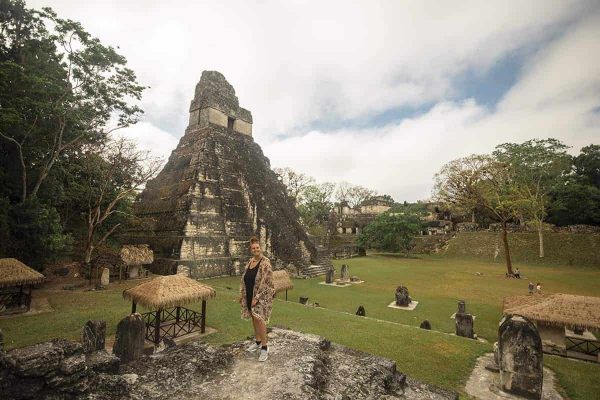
216	191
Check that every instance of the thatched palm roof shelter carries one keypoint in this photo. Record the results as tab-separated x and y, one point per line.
16	285
282	281
167	295
169	291
137	254
14	273
133	257
559	310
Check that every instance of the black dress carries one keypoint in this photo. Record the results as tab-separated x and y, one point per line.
249	278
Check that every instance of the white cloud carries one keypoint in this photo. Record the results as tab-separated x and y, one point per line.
295	63
555	97
149	138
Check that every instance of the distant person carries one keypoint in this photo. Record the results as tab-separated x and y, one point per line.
538	288
531	287
517	273
256	297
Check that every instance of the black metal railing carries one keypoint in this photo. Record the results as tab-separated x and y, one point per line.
174	322
585	346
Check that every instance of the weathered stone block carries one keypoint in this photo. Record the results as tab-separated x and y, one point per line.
39	359
129	339
462	307
329	276
464	325
425	325
102	362
402	297
105	277
73	364
93	336
521	357
345	273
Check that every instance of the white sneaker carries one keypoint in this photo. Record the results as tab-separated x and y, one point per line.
264	354
253	347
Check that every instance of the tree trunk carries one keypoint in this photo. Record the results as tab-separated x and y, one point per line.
88	253
89	244
541	238
506	249
473	216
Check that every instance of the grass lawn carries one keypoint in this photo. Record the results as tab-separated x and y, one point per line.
436	283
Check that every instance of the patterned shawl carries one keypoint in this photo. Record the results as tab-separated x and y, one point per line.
264	291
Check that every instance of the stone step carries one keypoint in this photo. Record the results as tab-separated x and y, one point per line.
315	270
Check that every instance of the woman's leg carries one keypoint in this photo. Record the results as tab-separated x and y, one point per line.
261	329
257	331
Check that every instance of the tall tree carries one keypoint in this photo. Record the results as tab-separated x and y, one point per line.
391	233
587	165
480	180
537	167
354	195
59	87
315	204
114	173
294	182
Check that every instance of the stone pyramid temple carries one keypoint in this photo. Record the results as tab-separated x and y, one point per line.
216	190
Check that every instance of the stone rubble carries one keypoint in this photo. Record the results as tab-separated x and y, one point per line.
300	367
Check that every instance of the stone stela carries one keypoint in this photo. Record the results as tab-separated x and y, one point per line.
520	357
402	300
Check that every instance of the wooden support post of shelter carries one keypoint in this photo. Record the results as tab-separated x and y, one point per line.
166	297
16	285
203	321
282	281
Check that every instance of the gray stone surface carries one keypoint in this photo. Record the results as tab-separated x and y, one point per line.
41	358
330	275
464	325
103	362
300	367
57	369
345	273
521	357
105	277
402	297
462	307
129	339
93	336
484	383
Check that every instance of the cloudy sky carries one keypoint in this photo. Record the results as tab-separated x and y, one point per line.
377	93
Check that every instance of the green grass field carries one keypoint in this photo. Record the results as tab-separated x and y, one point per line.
437	283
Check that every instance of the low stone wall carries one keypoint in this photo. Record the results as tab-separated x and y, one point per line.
310	367
58	369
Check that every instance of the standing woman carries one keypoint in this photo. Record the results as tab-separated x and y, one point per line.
256	296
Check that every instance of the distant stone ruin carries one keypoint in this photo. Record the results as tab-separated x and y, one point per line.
216	191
